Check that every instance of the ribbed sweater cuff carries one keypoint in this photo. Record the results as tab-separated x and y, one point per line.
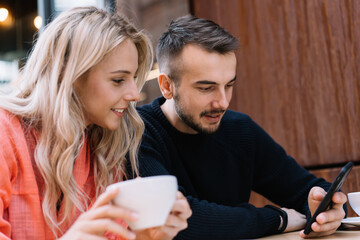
272	219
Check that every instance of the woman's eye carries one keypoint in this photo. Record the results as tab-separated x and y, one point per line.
119	80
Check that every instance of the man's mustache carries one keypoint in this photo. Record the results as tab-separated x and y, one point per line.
217	111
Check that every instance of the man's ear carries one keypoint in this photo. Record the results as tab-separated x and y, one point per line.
166	85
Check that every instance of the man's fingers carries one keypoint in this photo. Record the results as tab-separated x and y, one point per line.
331	215
329	226
315	234
317	193
339	198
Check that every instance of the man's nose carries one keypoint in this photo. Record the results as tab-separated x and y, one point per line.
221	101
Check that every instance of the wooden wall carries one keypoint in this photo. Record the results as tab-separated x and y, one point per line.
298	75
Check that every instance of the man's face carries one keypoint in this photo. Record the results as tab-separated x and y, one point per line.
204	90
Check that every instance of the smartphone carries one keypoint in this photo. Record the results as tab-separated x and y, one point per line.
326	202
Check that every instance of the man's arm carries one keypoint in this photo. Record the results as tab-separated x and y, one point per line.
300	190
215	221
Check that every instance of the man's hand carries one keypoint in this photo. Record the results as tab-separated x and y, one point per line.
296	220
328	221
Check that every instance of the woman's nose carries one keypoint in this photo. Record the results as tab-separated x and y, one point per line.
132	92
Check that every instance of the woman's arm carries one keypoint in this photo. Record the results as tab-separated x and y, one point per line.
101	218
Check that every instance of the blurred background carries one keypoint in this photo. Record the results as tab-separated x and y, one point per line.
298	66
22	20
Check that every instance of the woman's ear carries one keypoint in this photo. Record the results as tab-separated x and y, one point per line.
166	85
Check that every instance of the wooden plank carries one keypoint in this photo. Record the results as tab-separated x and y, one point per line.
297	72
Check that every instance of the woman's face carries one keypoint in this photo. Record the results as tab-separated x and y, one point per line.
108	87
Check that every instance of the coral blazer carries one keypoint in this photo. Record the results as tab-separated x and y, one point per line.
21	215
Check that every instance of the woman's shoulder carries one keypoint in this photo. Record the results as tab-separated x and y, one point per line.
4	112
9	123
7	118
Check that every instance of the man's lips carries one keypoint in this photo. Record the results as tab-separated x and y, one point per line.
212	113
212	116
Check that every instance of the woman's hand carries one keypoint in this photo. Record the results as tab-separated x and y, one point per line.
176	221
101	218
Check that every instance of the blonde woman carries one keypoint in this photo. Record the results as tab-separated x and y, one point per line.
66	130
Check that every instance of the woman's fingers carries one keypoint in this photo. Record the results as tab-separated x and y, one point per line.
103	208
106	197
181	207
90	237
170	232
174	221
100	226
177	219
111	211
100	218
95	229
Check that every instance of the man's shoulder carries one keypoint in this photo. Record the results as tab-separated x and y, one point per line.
151	113
150	107
237	124
234	116
155	121
144	108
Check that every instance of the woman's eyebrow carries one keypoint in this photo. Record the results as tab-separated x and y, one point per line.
121	71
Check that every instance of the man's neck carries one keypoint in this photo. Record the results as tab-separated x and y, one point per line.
168	108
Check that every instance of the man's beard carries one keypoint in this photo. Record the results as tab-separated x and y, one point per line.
189	120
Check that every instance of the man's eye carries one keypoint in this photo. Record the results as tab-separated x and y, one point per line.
118	80
204	89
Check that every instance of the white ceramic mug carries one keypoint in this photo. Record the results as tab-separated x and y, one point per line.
354	201
150	197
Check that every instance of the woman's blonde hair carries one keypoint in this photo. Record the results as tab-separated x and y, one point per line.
70	45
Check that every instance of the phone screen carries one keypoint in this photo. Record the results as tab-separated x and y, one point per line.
326	202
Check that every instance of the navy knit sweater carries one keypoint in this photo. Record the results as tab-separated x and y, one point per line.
217	172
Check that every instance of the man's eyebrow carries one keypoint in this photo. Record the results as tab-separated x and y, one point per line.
232	80
205	82
213	83
121	71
